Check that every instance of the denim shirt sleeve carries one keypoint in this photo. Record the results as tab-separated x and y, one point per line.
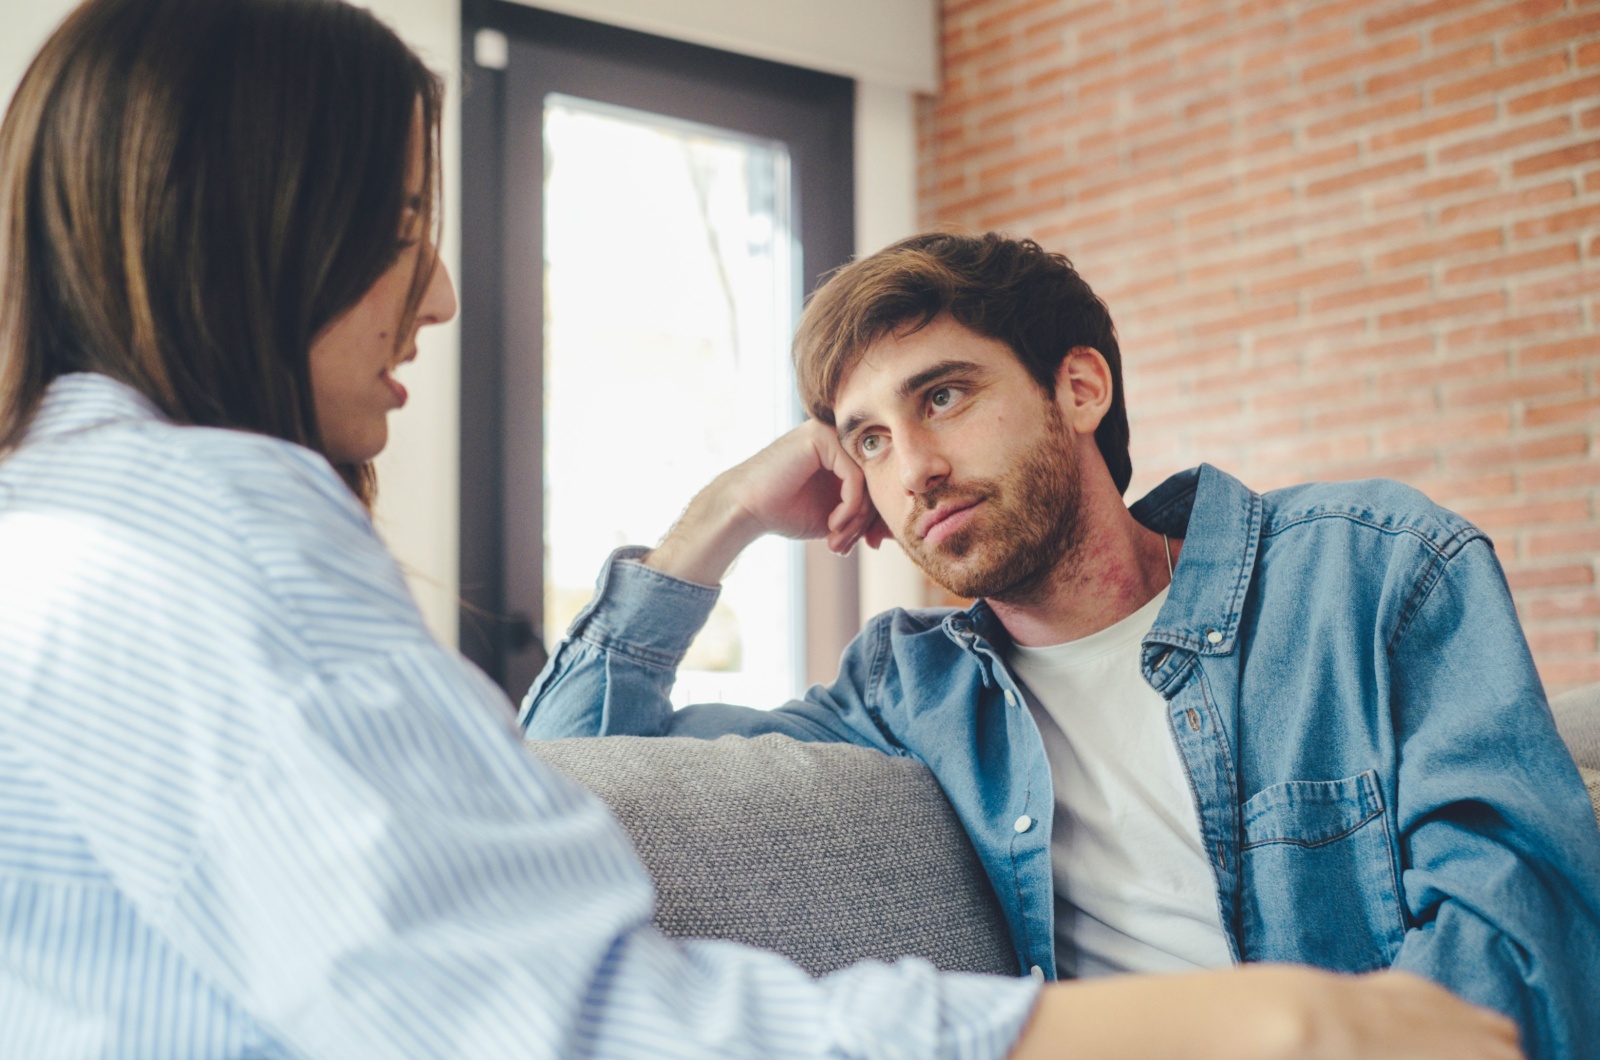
1500	853
613	673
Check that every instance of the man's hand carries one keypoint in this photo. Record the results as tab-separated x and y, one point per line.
1272	1012
803	486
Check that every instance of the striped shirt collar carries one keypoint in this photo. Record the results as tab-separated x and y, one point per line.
81	400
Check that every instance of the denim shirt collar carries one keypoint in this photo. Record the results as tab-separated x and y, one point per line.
1219	519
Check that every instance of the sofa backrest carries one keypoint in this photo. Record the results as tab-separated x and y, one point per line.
1578	718
729	830
828	853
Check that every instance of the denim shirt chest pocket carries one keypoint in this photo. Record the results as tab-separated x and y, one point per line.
1319	880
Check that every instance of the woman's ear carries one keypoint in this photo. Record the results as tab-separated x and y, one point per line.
1083	388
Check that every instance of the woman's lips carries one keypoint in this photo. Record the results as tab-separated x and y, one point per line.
397	388
942	525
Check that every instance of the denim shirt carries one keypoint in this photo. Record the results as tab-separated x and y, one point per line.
1376	773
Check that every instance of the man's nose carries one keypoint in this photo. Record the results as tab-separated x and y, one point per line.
922	462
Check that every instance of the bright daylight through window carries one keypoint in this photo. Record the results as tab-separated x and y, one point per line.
671	294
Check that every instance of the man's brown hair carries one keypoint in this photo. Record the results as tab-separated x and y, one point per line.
1010	290
191	190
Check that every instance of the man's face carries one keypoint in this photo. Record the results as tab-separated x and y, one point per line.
970	464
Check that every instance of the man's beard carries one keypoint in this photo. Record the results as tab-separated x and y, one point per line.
1028	524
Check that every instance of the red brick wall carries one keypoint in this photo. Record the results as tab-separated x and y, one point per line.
1340	239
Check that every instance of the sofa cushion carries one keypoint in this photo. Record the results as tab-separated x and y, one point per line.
826	853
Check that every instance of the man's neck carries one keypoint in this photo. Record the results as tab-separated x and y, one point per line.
1116	568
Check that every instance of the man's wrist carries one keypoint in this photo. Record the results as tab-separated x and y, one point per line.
706	539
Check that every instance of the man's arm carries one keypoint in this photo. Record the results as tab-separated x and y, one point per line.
613	673
1501	858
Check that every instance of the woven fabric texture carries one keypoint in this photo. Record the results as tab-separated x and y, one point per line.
826	853
1578	717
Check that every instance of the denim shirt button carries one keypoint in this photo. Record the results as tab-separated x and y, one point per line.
1011	699
1037	973
1023	823
1213	636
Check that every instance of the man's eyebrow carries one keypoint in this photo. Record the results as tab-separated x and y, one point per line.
911	384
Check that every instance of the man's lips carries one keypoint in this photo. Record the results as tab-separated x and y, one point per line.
946	520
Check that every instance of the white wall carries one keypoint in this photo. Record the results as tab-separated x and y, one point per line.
887	45
887	42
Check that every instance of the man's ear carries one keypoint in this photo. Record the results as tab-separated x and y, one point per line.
1083	388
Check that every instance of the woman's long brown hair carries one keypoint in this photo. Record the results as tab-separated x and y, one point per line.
191	190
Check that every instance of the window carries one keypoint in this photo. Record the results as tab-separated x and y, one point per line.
642	218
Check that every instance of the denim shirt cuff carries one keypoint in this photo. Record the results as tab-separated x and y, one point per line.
641	611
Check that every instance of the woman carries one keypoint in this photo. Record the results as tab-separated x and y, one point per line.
248	806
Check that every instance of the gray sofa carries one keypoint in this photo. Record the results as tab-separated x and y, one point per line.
831	854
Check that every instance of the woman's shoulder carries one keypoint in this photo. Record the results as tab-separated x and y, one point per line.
198	506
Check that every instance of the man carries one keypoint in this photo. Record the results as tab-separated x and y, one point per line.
1213	727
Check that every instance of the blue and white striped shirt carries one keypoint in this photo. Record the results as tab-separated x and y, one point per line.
250	808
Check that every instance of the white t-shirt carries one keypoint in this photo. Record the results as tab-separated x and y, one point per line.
1134	891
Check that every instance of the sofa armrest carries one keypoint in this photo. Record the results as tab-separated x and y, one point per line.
826	853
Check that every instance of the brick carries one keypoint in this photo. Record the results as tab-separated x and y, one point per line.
1441	309
1442	432
1568	543
1555	352
1502	141
1296	103
1347	355
1498	17
1583	410
1362	117
1433	190
1569	605
1502	78
1356	178
1339	392
1581	88
1550	480
1562	288
1369	293
1553	224
1429	376
1245	321
1450	492
1076	12
1521	452
1560	32
1474	58
1527	513
1297	281
1406	16
1563	641
1504	390
1484	239
1566	156
1514	263
1569	576
1589	54
1499	206
1371	413
1398	48
1561	675
1302	163
1343	335
1366	235
1426	130
1261	259
1514	328
1316	15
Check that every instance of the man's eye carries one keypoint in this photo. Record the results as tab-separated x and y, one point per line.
869	444
942	398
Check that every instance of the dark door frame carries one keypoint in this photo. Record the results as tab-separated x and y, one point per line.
502	589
